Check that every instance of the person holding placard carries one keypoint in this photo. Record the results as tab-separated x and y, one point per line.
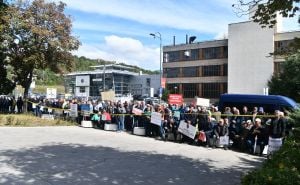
190	119
220	130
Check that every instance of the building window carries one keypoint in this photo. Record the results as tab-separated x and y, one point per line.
283	46
213	70
278	67
173	88
212	53
225	70
148	82
225	52
211	90
190	90
173	56
82	89
171	72
195	54
225	88
190	72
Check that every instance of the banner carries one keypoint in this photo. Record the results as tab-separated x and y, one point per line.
274	145
85	108
82	81
137	111
156	118
108	96
175	99
51	93
202	102
74	110
188	130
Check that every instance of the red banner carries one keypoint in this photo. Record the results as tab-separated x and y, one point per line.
175	99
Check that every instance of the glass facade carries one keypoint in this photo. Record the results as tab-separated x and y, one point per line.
196	54
190	72
190	90
213	70
212	53
211	90
171	72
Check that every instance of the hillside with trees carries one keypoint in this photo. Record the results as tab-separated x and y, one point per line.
47	77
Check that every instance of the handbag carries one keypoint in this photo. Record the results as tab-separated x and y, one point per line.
202	136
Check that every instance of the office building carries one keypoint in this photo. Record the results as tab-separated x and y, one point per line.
123	80
240	64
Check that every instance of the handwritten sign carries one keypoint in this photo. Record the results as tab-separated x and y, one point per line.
156	118
187	129
274	144
73	110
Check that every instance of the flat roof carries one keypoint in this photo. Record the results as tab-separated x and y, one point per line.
112	65
101	72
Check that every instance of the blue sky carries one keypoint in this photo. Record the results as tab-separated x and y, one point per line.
119	30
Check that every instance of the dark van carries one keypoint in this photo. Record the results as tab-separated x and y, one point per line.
270	103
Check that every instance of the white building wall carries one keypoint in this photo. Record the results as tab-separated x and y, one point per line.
79	94
249	63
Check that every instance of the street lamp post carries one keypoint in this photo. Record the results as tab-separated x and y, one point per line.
158	35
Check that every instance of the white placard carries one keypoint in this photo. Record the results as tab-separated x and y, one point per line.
188	130
224	140
83	81
202	102
73	110
156	118
48	116
51	93
274	144
137	111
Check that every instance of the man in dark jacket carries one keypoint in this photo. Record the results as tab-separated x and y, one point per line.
220	130
257	134
278	125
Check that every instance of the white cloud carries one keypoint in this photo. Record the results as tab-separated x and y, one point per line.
122	49
188	15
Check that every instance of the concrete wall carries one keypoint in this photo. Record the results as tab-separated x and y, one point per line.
142	81
249	63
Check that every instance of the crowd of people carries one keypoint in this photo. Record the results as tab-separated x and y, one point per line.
244	128
9	104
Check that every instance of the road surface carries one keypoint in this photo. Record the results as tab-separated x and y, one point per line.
75	155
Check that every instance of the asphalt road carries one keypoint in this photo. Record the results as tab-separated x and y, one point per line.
75	155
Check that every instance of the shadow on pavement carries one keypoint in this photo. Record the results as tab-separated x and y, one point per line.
80	164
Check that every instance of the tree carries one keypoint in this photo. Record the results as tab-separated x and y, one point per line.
288	81
265	14
6	85
165	95
38	35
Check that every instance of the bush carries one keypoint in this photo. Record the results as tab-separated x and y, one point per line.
284	166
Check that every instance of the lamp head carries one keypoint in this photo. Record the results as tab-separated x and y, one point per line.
152	34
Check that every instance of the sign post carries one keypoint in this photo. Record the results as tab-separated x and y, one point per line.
51	93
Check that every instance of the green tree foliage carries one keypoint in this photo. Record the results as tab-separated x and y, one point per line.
38	36
165	95
266	11
288	82
6	85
